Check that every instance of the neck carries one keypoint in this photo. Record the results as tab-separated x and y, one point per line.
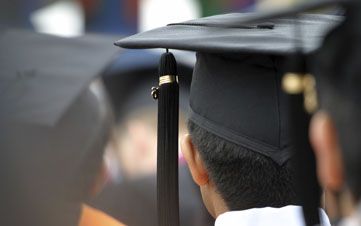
220	209
217	205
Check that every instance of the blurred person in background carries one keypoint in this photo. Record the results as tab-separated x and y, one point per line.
335	130
131	193
55	125
135	131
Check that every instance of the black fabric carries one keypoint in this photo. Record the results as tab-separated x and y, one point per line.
211	34
240	99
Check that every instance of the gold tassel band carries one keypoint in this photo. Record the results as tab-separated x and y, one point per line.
294	83
167	79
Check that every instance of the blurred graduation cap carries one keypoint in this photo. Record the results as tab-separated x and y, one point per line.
238	56
54	123
42	75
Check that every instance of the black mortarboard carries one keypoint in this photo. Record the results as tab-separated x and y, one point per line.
228	33
54	123
235	91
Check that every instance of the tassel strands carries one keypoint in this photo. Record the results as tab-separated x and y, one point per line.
296	85
167	147
307	187
302	103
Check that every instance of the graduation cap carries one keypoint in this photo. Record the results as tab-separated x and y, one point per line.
54	123
235	90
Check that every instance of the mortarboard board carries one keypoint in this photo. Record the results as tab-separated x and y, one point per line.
229	34
54	124
235	90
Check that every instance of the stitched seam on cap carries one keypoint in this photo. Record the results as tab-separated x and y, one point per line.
229	133
280	156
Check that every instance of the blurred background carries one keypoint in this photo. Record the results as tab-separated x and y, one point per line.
75	17
130	194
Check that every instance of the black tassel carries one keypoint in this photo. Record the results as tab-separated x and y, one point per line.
306	183
307	187
302	103
167	165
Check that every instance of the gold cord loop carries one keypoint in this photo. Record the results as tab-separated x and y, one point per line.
155	92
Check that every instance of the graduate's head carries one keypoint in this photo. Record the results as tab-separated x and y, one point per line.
53	169
238	149
335	130
243	178
55	127
235	92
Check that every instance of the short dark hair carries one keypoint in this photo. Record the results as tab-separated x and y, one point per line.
245	179
338	85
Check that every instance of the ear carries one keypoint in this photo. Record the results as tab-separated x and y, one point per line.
194	160
325	143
